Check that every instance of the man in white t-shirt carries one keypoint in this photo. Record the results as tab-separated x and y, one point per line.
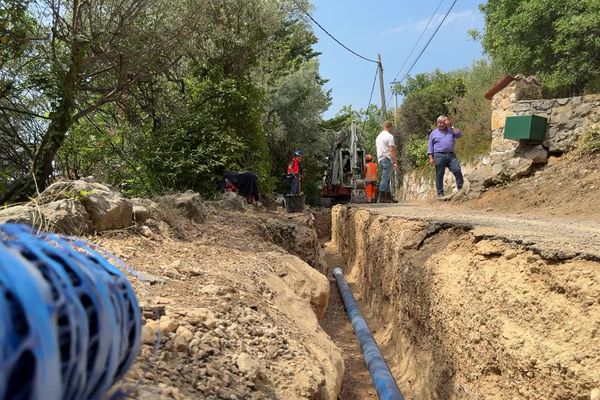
386	156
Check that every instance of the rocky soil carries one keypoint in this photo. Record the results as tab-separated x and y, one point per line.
230	313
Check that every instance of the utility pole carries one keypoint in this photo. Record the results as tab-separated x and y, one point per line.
395	108
381	87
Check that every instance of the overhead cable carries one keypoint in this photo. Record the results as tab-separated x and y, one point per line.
429	41
331	36
372	89
416	43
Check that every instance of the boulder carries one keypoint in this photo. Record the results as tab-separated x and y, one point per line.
536	153
20	214
67	216
142	209
517	167
231	201
106	209
189	203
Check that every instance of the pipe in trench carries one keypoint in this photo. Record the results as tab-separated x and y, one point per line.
382	378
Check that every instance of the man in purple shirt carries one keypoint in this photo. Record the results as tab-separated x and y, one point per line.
441	153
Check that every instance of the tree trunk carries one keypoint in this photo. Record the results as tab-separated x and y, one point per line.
60	122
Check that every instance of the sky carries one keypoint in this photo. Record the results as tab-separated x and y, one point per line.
390	28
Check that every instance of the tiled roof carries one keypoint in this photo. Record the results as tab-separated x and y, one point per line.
502	83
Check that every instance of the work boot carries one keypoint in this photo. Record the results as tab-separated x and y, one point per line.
391	198
382	197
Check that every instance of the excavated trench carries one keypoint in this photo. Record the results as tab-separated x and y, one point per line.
461	316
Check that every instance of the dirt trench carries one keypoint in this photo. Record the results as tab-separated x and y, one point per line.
465	316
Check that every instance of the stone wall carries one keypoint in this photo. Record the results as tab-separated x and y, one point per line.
567	118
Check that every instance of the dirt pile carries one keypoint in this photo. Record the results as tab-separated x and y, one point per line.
229	313
568	186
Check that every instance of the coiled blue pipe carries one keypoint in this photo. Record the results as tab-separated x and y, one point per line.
384	382
70	323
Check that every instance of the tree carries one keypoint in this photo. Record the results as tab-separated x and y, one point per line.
557	40
427	96
91	53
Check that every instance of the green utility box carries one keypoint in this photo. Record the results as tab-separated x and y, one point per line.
525	127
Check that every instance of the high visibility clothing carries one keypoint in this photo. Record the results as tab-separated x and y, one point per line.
371	172
294	166
370	191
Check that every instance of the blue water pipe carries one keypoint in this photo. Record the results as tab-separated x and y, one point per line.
382	378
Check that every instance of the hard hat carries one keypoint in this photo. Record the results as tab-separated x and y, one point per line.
368	157
298	153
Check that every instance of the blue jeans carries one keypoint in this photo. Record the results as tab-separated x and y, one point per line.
443	160
385	166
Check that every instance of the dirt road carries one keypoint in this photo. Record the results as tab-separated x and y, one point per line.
551	236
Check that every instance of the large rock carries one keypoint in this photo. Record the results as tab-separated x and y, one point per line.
66	216
536	153
142	209
19	214
304	280
106	209
189	203
231	201
517	167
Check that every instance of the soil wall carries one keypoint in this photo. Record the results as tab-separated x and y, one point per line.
465	317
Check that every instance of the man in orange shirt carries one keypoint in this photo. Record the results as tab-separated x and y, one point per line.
370	178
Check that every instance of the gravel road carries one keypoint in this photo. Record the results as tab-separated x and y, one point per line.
552	237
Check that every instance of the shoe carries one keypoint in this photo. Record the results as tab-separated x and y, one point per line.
383	198
391	198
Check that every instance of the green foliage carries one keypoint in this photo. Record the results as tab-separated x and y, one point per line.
472	113
557	40
427	96
153	99
295	105
590	140
458	94
416	150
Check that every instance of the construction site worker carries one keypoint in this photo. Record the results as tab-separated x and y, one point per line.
243	183
295	172
370	179
386	157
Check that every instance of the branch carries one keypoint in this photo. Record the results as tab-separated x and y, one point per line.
30	113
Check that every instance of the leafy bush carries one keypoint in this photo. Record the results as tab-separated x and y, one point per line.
416	150
590	140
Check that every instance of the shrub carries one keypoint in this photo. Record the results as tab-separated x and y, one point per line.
416	150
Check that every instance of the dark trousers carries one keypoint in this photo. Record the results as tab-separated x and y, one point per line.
449	160
295	185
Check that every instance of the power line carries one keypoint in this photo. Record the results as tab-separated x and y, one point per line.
416	43
331	36
372	89
429	41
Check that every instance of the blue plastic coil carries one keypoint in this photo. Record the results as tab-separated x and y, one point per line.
70	323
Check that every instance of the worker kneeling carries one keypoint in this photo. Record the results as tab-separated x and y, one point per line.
243	183
370	179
